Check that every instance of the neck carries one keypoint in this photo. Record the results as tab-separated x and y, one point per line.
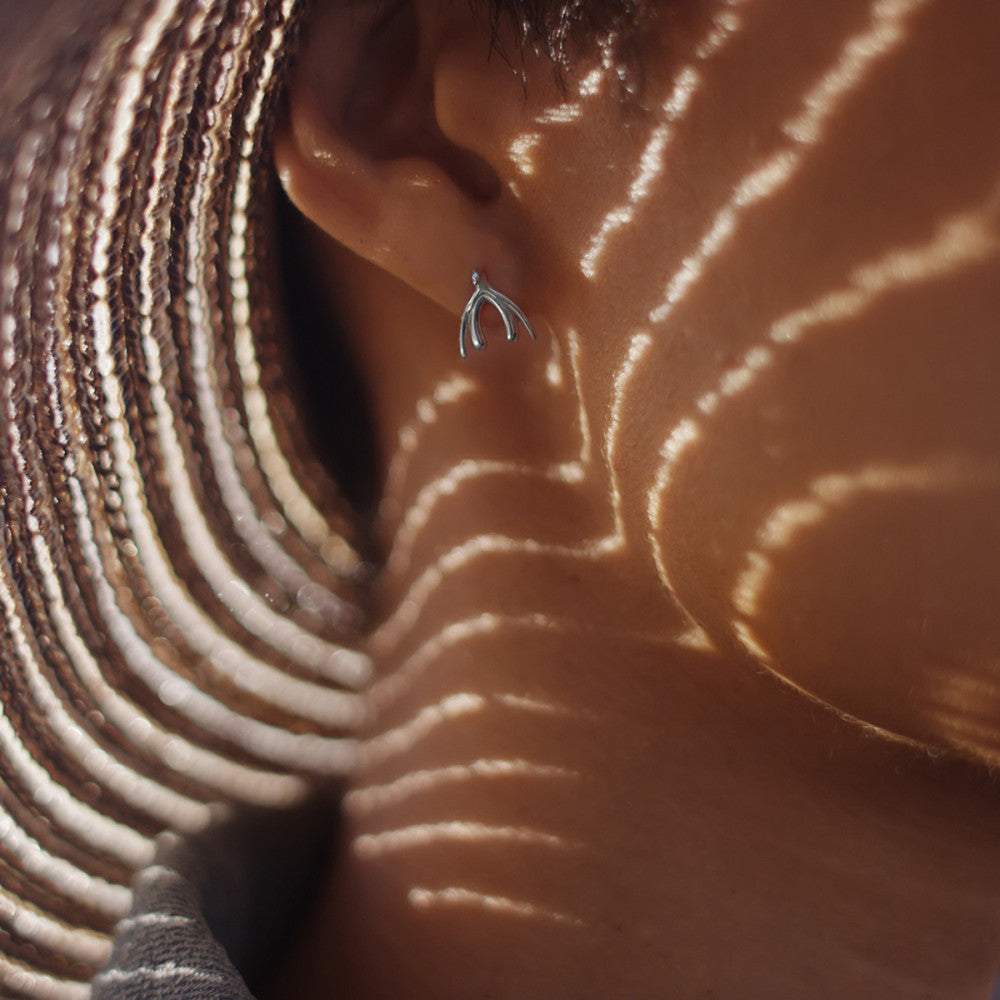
567	795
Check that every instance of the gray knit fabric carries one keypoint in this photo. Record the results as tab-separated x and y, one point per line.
220	906
165	949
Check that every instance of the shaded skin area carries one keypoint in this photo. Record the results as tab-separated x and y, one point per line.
686	634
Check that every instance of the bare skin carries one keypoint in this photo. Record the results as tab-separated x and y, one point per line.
688	647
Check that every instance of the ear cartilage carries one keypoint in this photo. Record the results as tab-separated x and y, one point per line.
509	313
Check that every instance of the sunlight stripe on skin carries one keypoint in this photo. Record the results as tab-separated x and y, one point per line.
536	706
583	418
594	82
389	688
949	695
402	738
748	638
419	511
448	392
858	54
687	82
964	732
389	635
561	114
408	610
521	153
522	148
456	897
374	845
472	470
370	798
639	346
790	519
959	241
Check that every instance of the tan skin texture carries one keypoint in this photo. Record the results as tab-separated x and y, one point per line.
603	785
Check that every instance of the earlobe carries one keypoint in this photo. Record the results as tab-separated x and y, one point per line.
361	154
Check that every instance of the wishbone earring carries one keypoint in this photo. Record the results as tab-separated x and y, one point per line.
509	313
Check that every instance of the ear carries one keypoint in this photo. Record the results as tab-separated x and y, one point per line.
364	150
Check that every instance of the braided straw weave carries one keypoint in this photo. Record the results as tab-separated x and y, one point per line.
177	598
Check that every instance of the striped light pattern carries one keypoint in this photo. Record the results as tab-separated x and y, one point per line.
178	586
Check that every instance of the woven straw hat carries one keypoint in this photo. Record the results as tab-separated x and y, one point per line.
177	581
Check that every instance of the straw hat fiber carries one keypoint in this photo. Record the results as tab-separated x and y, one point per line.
177	585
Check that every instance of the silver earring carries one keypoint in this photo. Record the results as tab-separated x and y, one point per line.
509	313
